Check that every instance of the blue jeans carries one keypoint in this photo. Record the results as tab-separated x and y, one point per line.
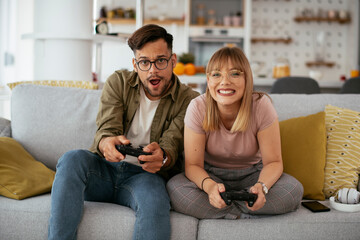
84	176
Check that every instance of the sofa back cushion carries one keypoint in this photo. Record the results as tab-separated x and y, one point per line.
49	121
296	105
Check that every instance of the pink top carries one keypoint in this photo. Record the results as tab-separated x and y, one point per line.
224	149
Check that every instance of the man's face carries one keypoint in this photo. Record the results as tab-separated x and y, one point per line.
156	81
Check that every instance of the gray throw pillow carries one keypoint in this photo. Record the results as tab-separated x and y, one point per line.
5	127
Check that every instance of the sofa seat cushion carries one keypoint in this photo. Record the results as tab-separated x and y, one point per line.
301	224
28	219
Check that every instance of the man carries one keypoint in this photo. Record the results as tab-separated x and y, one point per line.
145	107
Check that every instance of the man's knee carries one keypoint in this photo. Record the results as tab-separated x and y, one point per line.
156	198
74	160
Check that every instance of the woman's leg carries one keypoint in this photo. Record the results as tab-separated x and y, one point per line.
187	198
283	197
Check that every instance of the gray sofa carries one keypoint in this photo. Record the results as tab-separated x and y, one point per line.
48	121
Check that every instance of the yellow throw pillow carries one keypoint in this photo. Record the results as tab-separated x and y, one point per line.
303	146
58	83
21	176
343	149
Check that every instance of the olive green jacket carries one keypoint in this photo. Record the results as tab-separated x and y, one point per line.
118	104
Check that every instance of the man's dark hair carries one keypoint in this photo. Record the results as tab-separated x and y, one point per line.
149	33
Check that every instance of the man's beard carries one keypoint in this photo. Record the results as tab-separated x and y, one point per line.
163	90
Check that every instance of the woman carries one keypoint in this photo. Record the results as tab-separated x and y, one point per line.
232	143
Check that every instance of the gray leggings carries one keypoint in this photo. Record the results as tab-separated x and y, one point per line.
284	196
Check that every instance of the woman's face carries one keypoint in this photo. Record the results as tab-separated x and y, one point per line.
226	85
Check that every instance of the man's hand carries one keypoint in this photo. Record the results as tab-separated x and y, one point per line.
107	147
152	163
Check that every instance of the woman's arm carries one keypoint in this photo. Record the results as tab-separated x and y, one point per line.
270	147
194	145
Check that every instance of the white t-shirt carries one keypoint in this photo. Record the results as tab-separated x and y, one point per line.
139	132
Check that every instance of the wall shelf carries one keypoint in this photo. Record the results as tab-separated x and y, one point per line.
272	40
320	63
124	21
322	19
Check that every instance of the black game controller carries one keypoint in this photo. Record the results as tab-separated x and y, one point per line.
135	152
240	196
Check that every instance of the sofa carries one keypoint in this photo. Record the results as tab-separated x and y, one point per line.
48	121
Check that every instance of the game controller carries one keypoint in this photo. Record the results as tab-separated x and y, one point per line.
240	196
129	149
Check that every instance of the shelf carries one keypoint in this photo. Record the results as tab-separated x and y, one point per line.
125	21
321	19
265	82
216	26
272	40
319	64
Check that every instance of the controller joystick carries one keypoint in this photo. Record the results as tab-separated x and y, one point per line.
229	196
129	149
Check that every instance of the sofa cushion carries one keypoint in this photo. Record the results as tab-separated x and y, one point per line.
49	121
343	149
21	176
303	145
58	83
5	127
296	105
100	220
300	225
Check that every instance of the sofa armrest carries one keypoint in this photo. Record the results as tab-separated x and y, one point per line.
5	127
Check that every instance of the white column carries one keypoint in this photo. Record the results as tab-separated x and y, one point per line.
63	34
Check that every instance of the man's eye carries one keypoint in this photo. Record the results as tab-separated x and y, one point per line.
161	60
144	62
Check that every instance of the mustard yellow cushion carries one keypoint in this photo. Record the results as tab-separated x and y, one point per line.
303	146
343	149
59	83
21	176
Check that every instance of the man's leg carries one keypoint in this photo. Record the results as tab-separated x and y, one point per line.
80	175
146	194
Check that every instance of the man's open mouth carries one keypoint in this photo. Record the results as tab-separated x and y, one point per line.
155	82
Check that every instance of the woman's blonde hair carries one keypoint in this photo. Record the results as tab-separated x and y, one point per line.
239	61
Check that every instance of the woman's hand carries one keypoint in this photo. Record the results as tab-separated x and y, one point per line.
261	199
213	189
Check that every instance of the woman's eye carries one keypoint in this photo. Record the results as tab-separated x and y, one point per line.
216	75
236	74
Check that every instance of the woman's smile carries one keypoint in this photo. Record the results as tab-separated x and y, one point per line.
226	92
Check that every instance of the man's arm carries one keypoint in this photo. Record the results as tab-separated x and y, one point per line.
110	115
172	139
